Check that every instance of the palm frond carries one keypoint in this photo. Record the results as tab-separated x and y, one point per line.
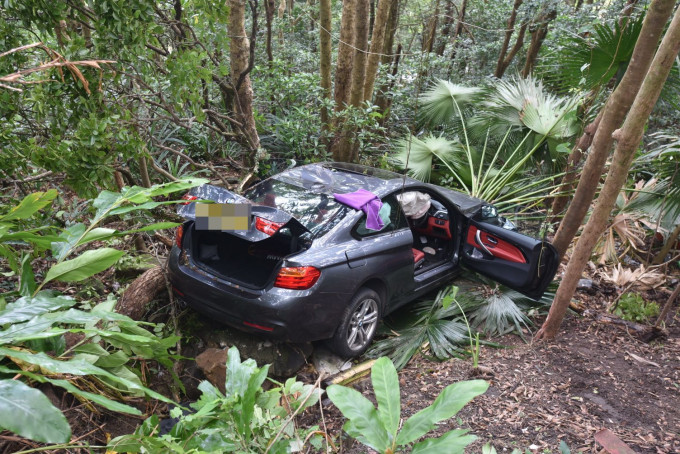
416	155
590	60
439	102
439	329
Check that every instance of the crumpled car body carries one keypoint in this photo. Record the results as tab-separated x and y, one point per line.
308	268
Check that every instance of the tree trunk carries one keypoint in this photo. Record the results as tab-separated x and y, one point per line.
446	31
502	64
668	245
343	70
460	23
239	53
430	32
269	6
360	51
537	38
377	45
615	111
383	100
325	57
343	77
628	138
347	144
136	298
561	199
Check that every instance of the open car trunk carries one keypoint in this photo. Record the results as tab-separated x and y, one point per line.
231	257
251	257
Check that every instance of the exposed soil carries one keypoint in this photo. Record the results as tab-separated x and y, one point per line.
593	376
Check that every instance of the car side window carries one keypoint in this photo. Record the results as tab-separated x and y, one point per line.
390	213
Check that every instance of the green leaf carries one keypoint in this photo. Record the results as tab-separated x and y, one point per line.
28	413
77	367
364	423
238	373
26	308
68	386
448	403
27	283
452	442
75	236
386	387
83	266
29	205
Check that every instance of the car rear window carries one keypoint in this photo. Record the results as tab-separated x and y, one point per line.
312	209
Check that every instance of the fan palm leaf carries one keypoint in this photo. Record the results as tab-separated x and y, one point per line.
441	103
439	329
590	60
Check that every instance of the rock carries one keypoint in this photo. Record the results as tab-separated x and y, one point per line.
213	364
327	363
585	284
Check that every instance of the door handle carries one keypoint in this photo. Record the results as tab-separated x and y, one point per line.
478	240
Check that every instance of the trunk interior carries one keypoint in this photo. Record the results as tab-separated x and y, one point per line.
252	264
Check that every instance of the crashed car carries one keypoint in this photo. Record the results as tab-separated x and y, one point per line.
331	248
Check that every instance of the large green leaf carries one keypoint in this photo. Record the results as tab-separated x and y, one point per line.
28	413
452	442
26	308
364	423
238	373
448	403
77	367
386	388
29	205
84	266
75	236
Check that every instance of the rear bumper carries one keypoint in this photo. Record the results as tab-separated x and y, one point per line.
281	314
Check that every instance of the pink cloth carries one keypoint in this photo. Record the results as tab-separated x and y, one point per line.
365	201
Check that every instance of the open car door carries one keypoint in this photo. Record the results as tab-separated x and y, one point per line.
522	263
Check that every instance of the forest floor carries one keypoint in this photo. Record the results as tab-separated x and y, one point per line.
593	376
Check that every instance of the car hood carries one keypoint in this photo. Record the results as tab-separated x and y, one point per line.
216	194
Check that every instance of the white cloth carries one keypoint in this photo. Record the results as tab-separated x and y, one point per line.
415	204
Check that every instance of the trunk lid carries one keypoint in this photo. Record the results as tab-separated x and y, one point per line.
252	257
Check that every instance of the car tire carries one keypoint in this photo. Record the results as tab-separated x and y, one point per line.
359	324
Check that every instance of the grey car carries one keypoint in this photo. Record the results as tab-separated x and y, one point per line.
308	267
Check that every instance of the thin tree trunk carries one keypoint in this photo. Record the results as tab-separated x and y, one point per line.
382	100
269	6
377	45
343	76
509	30
628	138
584	142
537	38
347	144
144	172
446	31
668	245
343	70
325	57
615	111
240	54
460	26
430	31
360	51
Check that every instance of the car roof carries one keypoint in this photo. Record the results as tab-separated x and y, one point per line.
343	177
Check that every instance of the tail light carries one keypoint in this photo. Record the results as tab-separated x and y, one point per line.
188	198
297	277
266	226
179	234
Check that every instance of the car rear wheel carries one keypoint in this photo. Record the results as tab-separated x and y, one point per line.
359	324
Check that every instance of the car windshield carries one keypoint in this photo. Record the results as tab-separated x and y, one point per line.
312	209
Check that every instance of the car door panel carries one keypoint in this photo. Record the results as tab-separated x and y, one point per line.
522	263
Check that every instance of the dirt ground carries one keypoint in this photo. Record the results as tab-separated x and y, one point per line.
594	376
